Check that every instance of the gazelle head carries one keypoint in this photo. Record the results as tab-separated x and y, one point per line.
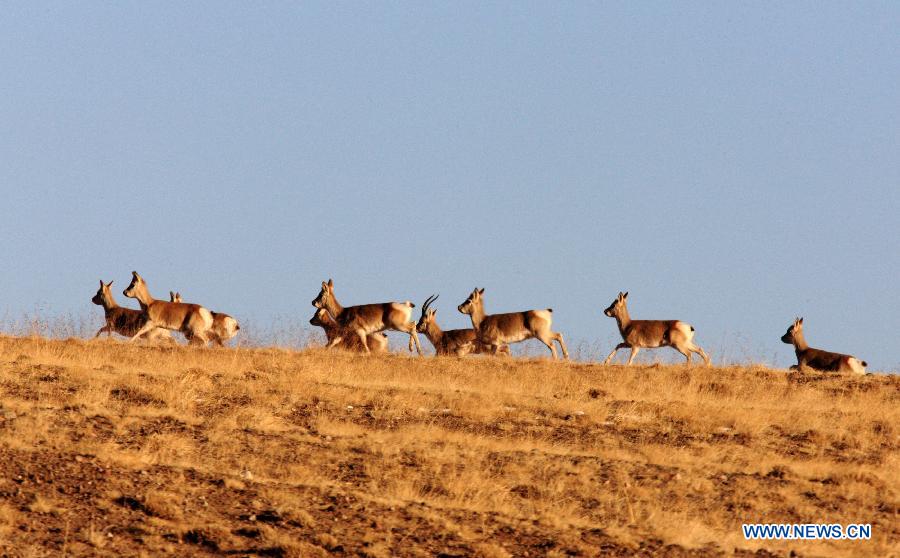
321	318
174	297
325	295
103	296
428	313
472	303
137	284
796	329
617	305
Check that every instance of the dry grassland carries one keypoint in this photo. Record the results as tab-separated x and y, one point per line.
113	449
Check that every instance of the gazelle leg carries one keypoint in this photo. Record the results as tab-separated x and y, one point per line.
634	352
204	340
686	352
697	349
363	339
548	340
147	327
619	346
562	345
414	337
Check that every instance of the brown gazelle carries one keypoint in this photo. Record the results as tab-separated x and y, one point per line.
224	326
193	320
650	334
124	321
496	330
376	342
458	342
817	359
366	319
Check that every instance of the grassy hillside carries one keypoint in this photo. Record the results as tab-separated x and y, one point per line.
109	449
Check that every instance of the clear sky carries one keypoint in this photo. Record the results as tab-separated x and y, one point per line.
731	165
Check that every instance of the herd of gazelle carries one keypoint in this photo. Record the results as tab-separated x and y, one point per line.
157	318
361	328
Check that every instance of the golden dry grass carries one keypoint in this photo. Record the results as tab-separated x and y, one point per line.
111	449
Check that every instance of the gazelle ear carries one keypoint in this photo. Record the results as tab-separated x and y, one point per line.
109	284
480	291
101	282
625	296
800	321
433	312
330	283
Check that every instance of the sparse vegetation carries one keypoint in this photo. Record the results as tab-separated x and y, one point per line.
116	449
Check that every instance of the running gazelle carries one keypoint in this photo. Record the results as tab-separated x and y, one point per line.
375	342
650	334
224	327
367	319
496	330
458	342
193	320
124	321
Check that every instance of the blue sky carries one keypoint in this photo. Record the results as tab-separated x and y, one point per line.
731	165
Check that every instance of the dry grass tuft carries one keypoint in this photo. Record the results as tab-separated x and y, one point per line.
115	449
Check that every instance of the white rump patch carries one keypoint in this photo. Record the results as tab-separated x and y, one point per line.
685	330
544	315
856	366
207	318
405	307
230	328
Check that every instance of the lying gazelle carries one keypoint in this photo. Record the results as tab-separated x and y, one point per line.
458	342
650	334
496	330
193	320
817	359
375	342
124	321
367	319
224	326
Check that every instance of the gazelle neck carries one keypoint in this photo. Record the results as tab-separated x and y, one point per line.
477	315
109	303
333	306
799	341
623	319
143	296
434	333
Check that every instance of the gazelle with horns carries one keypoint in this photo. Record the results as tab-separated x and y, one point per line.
367	319
193	320
124	321
375	342
650	334
817	359
496	330
458	342
224	326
